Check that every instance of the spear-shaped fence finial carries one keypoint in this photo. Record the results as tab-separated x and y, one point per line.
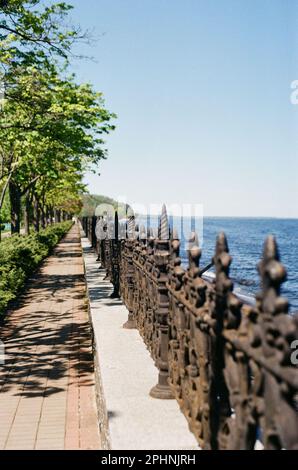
272	273
194	252
271	270
143	234
116	226
222	259
131	228
164	224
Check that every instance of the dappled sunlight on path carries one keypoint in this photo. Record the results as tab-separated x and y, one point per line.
47	385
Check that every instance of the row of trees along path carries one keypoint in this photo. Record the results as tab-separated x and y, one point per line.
51	133
51	125
47	385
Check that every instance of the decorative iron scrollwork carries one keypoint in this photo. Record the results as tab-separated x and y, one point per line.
226	363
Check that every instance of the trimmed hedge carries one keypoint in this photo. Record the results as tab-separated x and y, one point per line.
21	255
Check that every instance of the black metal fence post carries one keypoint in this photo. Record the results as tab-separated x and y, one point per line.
93	234
128	274
161	310
115	255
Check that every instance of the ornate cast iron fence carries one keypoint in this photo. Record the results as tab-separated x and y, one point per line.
226	363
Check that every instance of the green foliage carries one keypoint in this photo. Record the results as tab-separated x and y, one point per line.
5	210
34	35
91	201
21	255
49	138
51	127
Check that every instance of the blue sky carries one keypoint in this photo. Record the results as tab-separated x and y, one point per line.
202	93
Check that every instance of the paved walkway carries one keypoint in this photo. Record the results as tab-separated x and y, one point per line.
47	391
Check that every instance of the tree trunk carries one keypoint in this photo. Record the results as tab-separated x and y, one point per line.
43	218
27	214
15	207
52	215
36	213
47	216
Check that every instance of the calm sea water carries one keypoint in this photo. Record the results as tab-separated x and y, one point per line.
246	237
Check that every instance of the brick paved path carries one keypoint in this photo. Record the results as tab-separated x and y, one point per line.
47	393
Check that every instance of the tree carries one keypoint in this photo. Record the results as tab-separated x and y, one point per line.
51	128
33	33
92	201
58	128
